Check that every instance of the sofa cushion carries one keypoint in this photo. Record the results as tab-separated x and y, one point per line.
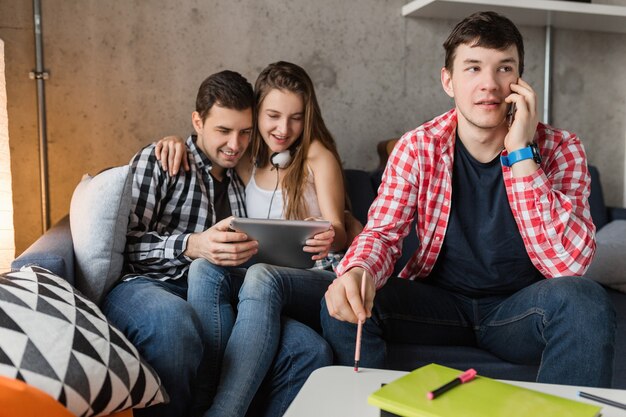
596	199
359	188
55	339
609	263
98	219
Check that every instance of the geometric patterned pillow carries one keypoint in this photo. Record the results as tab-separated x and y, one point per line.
55	339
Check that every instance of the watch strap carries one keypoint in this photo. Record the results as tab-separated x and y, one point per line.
519	155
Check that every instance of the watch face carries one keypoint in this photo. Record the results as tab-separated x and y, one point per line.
536	155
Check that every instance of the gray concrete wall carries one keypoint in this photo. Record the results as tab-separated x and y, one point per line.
125	73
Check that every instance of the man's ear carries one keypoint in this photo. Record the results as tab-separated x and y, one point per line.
197	122
446	81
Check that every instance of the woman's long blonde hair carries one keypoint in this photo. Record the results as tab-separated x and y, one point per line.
290	77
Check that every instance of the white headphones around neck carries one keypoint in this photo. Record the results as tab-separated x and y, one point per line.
281	159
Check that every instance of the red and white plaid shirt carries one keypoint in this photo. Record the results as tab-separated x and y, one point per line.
550	207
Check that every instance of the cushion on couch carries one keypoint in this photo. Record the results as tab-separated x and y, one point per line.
98	219
609	263
55	339
596	199
359	188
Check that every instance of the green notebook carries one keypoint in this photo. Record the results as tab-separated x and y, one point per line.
481	397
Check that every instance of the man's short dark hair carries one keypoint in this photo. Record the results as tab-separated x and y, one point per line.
487	30
228	89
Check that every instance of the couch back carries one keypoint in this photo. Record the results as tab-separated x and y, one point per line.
55	250
363	186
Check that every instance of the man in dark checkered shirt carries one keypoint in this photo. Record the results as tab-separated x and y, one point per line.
160	305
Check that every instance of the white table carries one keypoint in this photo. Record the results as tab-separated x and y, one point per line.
341	392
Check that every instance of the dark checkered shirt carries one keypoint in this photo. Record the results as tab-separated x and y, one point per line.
165	210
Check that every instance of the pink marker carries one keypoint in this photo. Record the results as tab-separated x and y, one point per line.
357	350
466	376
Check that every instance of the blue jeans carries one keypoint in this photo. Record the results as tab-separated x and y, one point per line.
257	343
166	331
565	325
212	294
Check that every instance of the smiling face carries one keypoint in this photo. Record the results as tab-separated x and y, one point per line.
281	119
479	83
223	136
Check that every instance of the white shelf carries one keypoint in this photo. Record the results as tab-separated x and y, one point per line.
558	14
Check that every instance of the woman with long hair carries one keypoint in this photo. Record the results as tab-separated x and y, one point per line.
288	121
294	172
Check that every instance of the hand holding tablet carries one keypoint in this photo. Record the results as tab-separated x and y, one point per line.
281	241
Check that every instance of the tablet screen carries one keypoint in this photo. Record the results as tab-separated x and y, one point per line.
281	241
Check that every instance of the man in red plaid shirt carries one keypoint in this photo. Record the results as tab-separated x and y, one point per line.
504	228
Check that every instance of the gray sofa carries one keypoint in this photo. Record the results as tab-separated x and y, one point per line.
55	251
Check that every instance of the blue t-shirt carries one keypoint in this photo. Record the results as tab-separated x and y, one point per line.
483	253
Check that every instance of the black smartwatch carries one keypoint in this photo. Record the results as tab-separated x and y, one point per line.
529	152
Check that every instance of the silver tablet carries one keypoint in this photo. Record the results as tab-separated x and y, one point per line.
281	241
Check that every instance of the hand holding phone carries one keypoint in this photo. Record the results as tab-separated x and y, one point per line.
521	117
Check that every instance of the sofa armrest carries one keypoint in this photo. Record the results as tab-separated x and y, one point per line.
53	251
616	213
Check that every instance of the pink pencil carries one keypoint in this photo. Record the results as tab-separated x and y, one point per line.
357	350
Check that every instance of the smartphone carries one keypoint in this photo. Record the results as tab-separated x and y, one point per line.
510	115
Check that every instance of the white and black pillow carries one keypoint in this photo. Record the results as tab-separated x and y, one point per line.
55	339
